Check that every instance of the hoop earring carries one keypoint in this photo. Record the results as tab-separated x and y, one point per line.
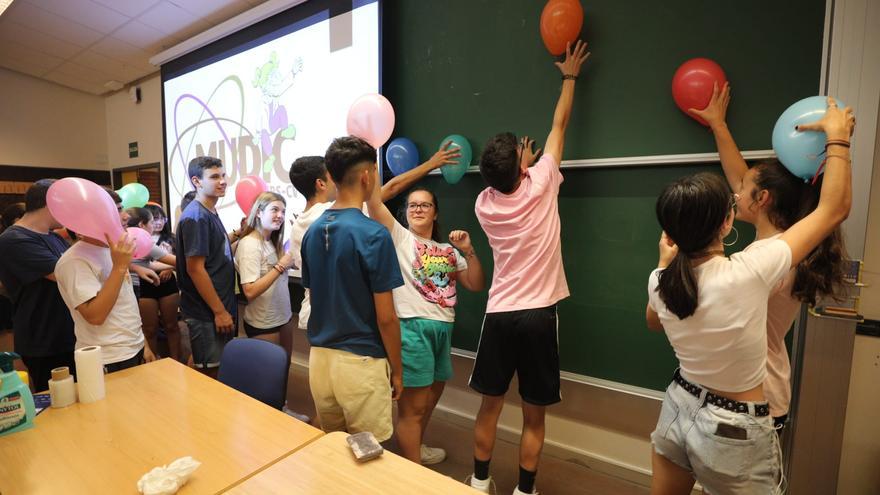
736	238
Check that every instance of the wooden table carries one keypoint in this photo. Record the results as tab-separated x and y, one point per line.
152	415
328	466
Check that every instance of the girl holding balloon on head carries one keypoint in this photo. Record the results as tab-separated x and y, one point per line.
772	198
425	305
715	423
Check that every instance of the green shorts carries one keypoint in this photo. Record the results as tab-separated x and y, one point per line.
425	347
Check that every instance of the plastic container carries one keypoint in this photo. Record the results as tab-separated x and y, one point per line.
16	402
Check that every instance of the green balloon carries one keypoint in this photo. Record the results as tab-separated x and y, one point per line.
134	195
455	171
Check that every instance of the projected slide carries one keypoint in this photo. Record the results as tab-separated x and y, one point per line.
260	109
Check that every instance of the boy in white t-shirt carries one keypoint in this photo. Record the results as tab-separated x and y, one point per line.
94	282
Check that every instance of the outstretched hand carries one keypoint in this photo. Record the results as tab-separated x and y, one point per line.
836	123
715	113
527	154
445	155
571	65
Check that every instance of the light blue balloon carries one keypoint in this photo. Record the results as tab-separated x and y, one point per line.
401	155
455	171
801	151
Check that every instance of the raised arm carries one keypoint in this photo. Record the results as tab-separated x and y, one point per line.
402	182
378	211
472	278
835	197
570	68
715	114
97	309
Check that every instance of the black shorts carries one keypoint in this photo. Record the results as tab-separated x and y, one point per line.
524	342
253	331
164	289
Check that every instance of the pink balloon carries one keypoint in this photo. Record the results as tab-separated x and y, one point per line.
143	241
371	118
247	190
85	208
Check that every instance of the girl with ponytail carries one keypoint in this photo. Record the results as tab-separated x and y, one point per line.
772	199
715	423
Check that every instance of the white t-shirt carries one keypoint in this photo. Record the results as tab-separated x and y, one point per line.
782	309
429	272
723	345
300	225
254	258
81	272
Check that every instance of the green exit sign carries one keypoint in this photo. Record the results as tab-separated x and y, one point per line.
133	150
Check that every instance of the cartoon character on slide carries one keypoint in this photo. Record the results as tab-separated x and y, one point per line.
434	270
273	83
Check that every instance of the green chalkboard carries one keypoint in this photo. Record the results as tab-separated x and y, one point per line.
479	67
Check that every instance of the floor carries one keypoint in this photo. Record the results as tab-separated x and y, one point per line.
555	475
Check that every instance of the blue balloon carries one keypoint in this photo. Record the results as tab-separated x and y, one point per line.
453	172
401	155
801	151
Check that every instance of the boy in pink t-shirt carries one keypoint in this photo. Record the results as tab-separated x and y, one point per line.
519	212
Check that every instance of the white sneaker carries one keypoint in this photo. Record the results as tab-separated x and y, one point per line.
485	486
517	491
432	455
302	417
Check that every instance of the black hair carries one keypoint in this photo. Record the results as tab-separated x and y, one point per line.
199	164
35	196
435	227
821	273
11	213
344	154
691	211
165	234
499	164
305	171
138	216
113	194
187	199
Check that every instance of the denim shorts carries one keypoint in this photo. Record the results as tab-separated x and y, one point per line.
728	452
207	344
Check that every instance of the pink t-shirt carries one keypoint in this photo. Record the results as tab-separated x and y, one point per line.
782	309
523	230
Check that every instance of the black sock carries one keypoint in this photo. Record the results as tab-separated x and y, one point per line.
526	480
481	469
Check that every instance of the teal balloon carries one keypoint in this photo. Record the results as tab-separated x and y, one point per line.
801	151
455	171
134	195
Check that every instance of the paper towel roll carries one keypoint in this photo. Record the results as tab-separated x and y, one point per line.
89	374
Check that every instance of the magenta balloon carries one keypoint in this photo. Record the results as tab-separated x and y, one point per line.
143	242
371	118
85	208
247	190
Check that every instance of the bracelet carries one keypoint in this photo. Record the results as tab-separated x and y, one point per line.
838	142
471	253
279	268
566	77
842	157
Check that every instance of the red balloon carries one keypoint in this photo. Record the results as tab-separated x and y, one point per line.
561	23
247	190
692	85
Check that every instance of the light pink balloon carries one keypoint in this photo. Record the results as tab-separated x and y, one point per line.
371	118
143	241
85	208
247	190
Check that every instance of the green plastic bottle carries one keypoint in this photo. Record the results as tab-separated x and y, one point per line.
16	402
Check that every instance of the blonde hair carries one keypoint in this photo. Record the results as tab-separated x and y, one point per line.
253	219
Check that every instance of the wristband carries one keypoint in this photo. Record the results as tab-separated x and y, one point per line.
566	77
279	268
838	142
470	253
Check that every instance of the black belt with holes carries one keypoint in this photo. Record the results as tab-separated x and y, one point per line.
716	400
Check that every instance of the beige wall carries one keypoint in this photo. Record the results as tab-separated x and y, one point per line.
43	124
142	122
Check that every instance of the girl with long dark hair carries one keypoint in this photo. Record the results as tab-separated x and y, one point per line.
772	199
715	423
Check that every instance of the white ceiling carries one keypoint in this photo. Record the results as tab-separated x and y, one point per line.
83	44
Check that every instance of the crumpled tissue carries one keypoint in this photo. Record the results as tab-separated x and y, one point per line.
166	480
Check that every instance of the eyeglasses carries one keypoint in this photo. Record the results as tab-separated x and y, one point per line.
159	220
419	206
